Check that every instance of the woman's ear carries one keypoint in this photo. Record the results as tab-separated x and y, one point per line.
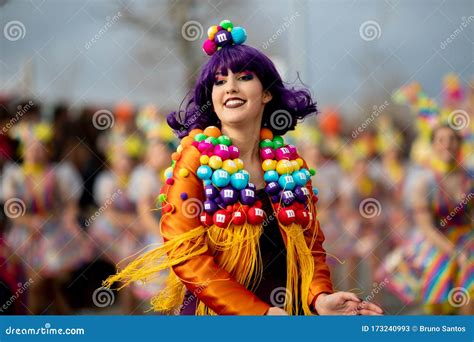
267	96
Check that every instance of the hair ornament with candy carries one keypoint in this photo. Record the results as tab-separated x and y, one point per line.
222	35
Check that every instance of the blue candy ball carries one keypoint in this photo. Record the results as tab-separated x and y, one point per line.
239	35
220	178
271	176
204	172
287	182
300	178
239	181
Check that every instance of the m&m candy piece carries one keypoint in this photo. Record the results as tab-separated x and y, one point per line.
239	35
266	143
252	186
234	152
282	153
222	218
302	217
238	181
269	164
204	172
229	196
215	162
272	188
271	176
222	151
300	178
224	140
206	219
267	153
278	141
238	217
226	25
211	32
239	163
222	38
288	197
212	131
229	166
287	182
284	167
286	216
204	159
247	196
301	194
200	137
211	191
255	215
210	206
220	178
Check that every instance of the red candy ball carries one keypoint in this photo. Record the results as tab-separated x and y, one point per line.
255	216
222	218
286	216
267	153
206	219
238	218
209	47
302	218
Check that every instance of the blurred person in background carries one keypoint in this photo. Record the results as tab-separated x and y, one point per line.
43	208
435	266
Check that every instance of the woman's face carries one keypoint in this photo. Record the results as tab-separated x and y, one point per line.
445	144
239	97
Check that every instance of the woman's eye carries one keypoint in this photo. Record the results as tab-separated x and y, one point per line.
246	77
219	82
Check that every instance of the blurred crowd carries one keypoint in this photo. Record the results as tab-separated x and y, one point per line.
79	192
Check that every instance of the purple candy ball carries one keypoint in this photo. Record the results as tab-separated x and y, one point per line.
211	191
210	206
272	188
247	196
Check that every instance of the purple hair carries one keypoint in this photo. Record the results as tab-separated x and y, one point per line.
280	114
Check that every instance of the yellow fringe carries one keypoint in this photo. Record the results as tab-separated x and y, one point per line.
300	270
237	251
173	252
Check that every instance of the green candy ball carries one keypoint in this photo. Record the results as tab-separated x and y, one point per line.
224	140
226	24
266	143
278	141
200	137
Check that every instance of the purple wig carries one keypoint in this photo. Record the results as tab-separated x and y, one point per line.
280	114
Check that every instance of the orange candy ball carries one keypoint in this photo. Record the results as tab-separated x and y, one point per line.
194	132
266	133
212	131
187	141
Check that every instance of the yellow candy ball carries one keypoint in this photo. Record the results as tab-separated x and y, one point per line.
295	164
215	162
183	172
211	32
229	166
204	160
269	164
239	163
284	167
300	162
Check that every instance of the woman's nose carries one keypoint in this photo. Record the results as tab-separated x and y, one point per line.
231	86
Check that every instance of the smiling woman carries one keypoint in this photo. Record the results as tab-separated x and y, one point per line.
231	172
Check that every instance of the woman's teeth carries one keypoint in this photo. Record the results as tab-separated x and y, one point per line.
234	103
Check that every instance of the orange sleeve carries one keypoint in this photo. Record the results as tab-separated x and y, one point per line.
214	286
322	276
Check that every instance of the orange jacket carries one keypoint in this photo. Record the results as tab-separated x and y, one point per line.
220	291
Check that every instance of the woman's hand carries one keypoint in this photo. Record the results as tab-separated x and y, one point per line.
344	303
276	311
